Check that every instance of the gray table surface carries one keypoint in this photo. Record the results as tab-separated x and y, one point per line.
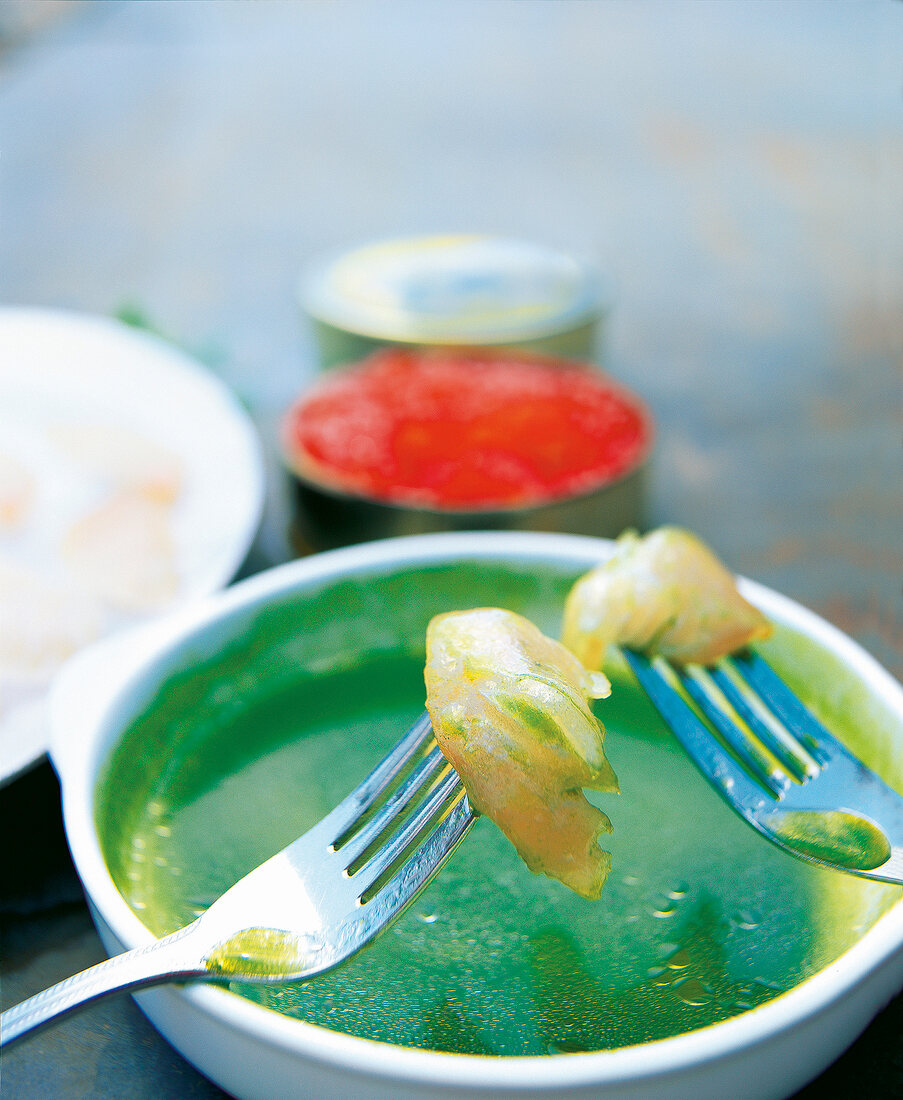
734	167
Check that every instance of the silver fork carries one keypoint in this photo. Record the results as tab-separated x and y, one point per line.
775	764
309	907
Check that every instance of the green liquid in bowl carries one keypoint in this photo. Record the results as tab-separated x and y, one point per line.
243	747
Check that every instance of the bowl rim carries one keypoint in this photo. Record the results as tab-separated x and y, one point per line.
78	756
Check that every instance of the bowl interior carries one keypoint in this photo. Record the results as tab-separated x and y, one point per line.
251	729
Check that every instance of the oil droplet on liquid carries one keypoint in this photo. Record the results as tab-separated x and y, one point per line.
566	1046
833	836
693	992
261	951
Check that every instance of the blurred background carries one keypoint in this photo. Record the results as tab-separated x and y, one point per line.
733	166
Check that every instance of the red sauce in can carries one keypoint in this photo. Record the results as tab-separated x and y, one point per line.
465	430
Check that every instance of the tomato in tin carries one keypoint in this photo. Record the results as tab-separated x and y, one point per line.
466	431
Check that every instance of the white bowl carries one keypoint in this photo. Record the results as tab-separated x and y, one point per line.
251	1051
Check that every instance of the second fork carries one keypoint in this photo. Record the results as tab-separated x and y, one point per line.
777	766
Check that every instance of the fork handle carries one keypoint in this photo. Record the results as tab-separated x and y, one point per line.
167	959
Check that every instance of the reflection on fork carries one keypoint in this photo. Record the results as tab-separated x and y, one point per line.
311	906
774	763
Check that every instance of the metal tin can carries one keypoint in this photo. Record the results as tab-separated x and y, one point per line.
325	518
454	290
328	512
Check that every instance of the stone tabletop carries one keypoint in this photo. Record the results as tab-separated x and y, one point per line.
733	166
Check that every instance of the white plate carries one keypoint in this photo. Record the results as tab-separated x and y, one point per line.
59	366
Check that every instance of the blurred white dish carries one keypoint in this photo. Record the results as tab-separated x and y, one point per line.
61	368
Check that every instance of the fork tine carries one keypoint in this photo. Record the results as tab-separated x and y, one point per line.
419	821
791	753
400	799
798	719
724	773
362	798
707	695
410	879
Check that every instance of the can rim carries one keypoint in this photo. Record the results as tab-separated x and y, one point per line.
587	301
